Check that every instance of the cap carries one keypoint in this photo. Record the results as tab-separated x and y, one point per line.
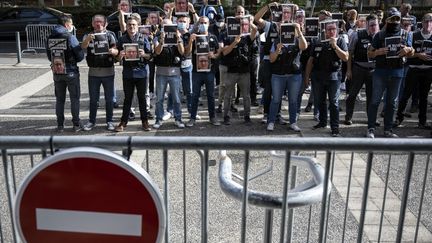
393	14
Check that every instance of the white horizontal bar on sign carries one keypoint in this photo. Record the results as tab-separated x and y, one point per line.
88	222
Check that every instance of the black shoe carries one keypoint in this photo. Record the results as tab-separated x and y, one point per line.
219	109
308	108
397	122
237	101
227	120
348	122
233	109
254	103
335	132
247	120
377	123
319	125
116	105
131	116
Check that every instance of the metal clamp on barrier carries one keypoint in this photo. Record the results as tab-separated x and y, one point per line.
304	194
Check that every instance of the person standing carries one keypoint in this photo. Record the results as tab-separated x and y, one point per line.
65	70
286	75
101	70
207	77
238	51
388	73
326	61
168	61
360	67
134	71
419	73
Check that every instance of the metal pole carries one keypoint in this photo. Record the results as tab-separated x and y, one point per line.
166	193
268	225
365	197
291	211
18	46
404	200
313	8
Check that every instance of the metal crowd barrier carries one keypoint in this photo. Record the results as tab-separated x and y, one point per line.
37	35
198	211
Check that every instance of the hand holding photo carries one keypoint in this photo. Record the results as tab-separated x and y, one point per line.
181	7
312	27
329	29
287	34
202	44
145	30
288	13
170	31
100	44
393	44
233	26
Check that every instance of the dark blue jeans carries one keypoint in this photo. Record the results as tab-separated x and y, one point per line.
94	84
384	80
71	82
198	79
332	89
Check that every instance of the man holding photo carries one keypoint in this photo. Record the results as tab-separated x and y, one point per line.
388	72
101	71
134	72
203	72
326	63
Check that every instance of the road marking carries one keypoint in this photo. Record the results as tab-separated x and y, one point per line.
25	91
88	222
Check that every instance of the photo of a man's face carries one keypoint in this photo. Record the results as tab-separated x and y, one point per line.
181	7
131	52
203	63
287	13
245	26
58	66
331	30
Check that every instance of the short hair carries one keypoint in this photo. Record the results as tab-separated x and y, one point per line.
371	17
65	18
407	6
100	16
136	17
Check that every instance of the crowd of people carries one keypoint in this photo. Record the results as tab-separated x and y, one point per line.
391	58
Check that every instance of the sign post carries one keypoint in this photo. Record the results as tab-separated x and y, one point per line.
89	195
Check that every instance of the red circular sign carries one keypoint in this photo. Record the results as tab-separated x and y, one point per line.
89	195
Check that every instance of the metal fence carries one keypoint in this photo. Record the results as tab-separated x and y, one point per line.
199	211
37	35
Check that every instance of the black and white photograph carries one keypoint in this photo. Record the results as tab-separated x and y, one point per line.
245	25
393	44
202	44
312	27
276	13
233	26
181	7
131	51
59	44
100	44
427	47
170	31
288	12
287	34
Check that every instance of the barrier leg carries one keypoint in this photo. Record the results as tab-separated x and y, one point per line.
18	46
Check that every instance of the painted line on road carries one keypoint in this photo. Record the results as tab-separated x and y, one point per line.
24	91
88	222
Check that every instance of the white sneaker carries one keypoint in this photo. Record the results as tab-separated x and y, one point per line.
179	124
110	126
166	116
295	127
371	133
89	126
157	125
270	126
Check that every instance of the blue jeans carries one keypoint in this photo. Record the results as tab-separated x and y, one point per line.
197	81
161	85
186	79
71	82
94	84
280	83
322	88
384	80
